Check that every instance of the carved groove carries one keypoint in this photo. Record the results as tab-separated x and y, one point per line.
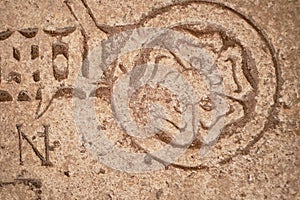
29	32
34	52
15	76
60	48
5	96
5	34
16	54
23	96
60	31
36	76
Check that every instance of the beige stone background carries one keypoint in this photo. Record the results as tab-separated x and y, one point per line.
271	170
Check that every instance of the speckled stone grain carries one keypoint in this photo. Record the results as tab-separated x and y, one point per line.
257	155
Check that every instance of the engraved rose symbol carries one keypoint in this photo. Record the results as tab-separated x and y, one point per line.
186	84
210	82
149	39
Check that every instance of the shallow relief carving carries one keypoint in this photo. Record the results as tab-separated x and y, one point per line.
242	71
